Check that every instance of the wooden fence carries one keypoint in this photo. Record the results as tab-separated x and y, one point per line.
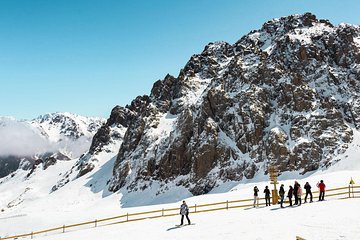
335	193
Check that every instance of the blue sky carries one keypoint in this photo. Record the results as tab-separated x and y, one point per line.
86	56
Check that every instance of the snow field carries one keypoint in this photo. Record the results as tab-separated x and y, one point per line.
75	203
87	198
310	221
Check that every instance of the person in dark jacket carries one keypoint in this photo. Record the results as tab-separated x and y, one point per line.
282	195
321	187
184	211
267	196
290	194
256	196
295	191
307	187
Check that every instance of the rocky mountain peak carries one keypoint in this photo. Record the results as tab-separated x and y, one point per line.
287	24
286	94
59	125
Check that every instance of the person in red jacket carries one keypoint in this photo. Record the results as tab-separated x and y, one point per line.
321	187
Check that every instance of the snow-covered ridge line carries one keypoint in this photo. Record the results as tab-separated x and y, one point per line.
63	135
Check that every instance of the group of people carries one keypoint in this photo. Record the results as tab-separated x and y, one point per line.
295	191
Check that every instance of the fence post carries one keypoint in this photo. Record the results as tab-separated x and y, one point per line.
349	191
127	217
95	222
227	204
32	235
63	228
162	212
195	207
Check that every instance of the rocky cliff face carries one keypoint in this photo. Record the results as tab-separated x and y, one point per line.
287	94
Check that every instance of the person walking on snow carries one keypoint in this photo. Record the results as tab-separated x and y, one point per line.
184	211
296	187
282	195
299	193
308	191
290	194
267	196
321	187
256	196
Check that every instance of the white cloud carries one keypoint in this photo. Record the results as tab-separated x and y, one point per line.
22	139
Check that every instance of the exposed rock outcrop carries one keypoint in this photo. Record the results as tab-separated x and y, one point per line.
286	94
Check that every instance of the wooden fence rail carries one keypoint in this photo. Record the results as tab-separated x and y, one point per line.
217	206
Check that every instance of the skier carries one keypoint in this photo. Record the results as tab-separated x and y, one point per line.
256	198
308	191
282	195
184	211
290	194
267	196
299	193
321	187
296	187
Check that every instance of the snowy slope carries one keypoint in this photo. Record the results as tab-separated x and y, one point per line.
79	202
87	198
312	222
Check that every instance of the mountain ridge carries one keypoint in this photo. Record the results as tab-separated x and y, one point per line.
50	137
285	94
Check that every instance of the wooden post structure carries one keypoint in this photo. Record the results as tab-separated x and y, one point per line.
273	172
352	182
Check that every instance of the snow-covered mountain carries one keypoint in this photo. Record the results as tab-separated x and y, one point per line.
26	206
56	136
286	94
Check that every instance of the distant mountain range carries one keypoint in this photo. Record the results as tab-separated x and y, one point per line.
59	136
